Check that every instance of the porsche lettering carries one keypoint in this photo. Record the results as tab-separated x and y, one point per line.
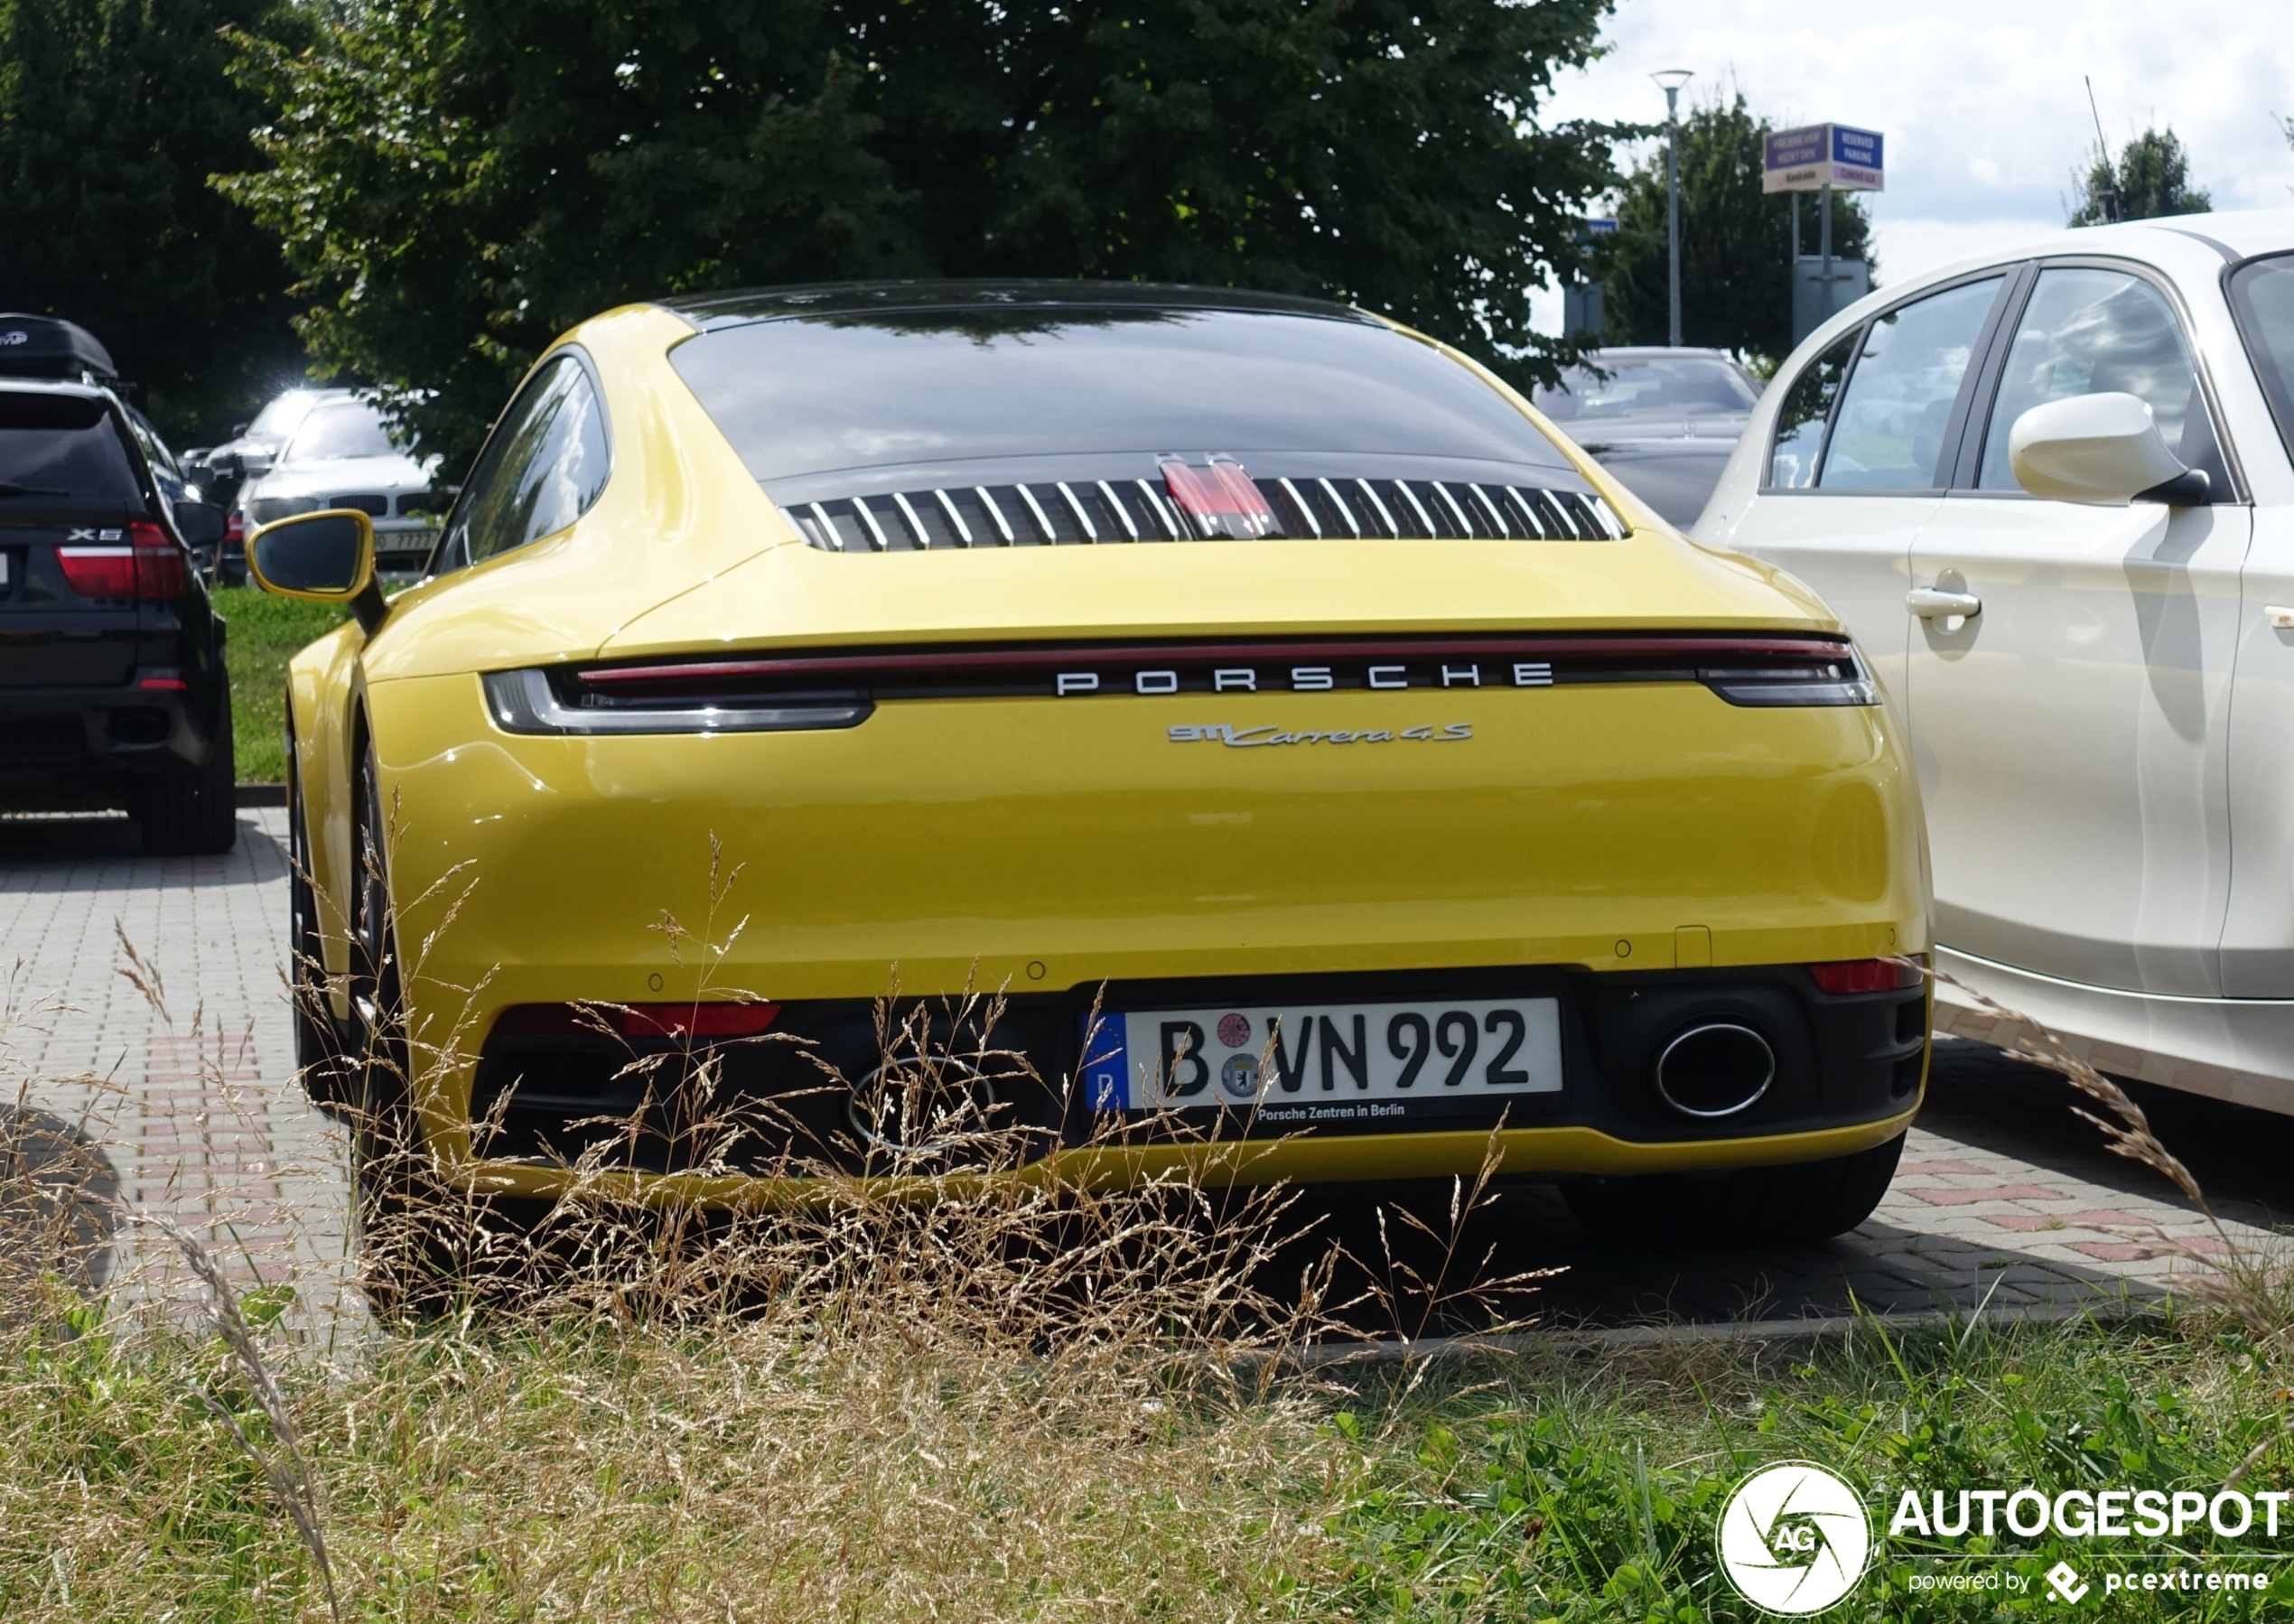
1306	679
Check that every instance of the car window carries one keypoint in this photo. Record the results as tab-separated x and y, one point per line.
1667	386
280	416
1800	422
1117	388
61	445
541	470
348	428
1889	433
2261	295
2091	332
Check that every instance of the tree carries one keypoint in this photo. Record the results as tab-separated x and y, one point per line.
458	180
113	116
2152	178
1736	241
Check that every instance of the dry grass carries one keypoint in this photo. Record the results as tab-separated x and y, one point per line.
928	1394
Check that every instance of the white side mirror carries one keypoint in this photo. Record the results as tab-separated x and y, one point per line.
2100	449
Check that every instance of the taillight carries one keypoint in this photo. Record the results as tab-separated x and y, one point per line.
1220	500
100	571
1866	976
159	562
719	1020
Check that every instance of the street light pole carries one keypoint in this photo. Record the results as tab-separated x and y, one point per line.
1670	81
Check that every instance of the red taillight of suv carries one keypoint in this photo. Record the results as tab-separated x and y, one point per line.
151	566
1866	976
159	562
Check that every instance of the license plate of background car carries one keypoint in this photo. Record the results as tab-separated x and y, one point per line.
1387	1056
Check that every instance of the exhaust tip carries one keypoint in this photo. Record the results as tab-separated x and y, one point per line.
1715	1070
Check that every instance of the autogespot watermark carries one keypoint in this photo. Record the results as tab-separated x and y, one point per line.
1795	1538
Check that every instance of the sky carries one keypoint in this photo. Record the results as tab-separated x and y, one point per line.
1981	101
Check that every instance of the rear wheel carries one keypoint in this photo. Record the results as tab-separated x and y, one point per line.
1752	1206
193	811
319	1058
423	1246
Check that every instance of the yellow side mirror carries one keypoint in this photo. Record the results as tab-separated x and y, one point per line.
329	556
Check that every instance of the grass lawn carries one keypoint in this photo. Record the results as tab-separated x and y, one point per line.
759	1471
265	631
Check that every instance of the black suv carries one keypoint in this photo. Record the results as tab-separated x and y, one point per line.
112	686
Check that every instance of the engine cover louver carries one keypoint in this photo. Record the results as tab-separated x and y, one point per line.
1068	512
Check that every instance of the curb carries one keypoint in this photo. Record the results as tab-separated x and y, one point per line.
261	794
2112	1311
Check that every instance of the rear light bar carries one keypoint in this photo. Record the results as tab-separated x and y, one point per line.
1866	975
529	702
840	689
721	1019
150	567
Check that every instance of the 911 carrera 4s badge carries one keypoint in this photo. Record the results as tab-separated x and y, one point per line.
1247	738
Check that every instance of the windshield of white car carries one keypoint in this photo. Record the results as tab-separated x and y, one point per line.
279	417
350	428
970	392
1650	386
2263	295
61	445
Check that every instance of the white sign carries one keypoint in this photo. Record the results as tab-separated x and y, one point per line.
1823	154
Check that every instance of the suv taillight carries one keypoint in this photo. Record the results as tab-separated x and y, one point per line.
150	566
159	562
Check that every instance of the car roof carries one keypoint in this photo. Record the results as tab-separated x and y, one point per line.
710	311
49	386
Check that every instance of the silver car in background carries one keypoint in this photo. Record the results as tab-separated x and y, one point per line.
341	455
1662	420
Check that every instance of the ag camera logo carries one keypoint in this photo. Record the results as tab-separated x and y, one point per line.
1794	1539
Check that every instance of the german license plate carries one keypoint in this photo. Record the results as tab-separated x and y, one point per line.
1318	1062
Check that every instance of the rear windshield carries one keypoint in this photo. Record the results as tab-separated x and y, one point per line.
2263	295
61	445
1671	385
824	406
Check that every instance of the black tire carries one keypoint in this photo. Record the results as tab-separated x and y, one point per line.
193	811
1752	1206
320	1058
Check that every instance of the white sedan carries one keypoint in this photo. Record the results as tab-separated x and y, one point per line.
2051	490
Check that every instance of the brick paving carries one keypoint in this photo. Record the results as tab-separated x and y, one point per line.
2004	1201
144	1002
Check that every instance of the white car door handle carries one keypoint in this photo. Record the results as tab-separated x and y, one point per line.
1928	603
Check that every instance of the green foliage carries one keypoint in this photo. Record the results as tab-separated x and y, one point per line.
458	182
1735	242
265	633
2150	179
1596	1498
113	116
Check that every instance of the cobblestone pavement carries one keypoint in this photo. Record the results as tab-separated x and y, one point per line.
2005	1200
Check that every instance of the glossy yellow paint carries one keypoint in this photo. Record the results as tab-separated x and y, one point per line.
964	841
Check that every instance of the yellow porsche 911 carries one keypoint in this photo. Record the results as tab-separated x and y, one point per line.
1323	755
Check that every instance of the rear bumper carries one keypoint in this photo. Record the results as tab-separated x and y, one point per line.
1545	1151
76	741
1848	1069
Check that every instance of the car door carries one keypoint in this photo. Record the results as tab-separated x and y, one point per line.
2072	735
1858	460
2258	933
